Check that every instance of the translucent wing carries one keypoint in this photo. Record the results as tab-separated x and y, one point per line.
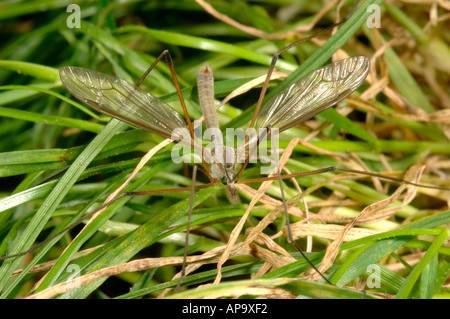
314	93
122	100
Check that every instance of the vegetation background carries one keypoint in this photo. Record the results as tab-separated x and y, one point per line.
59	159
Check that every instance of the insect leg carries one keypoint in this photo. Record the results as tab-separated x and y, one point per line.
183	267
342	169
286	214
167	56
105	205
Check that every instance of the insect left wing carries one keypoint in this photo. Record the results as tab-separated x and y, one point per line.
314	93
122	100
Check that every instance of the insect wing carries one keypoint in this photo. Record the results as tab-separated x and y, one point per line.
314	93
122	100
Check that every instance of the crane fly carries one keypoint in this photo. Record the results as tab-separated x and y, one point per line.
312	94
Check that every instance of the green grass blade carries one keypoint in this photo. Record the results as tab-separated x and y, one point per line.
411	280
52	201
38	71
363	258
132	243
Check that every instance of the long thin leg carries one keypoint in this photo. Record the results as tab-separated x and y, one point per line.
247	181
169	61
342	169
70	226
286	214
125	194
188	227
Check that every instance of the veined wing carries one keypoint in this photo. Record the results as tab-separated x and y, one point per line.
122	100
314	93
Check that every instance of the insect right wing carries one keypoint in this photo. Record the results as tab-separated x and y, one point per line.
122	100
314	93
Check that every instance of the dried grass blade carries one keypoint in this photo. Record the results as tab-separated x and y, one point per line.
370	213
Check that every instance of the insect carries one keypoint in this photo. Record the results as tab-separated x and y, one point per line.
317	91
